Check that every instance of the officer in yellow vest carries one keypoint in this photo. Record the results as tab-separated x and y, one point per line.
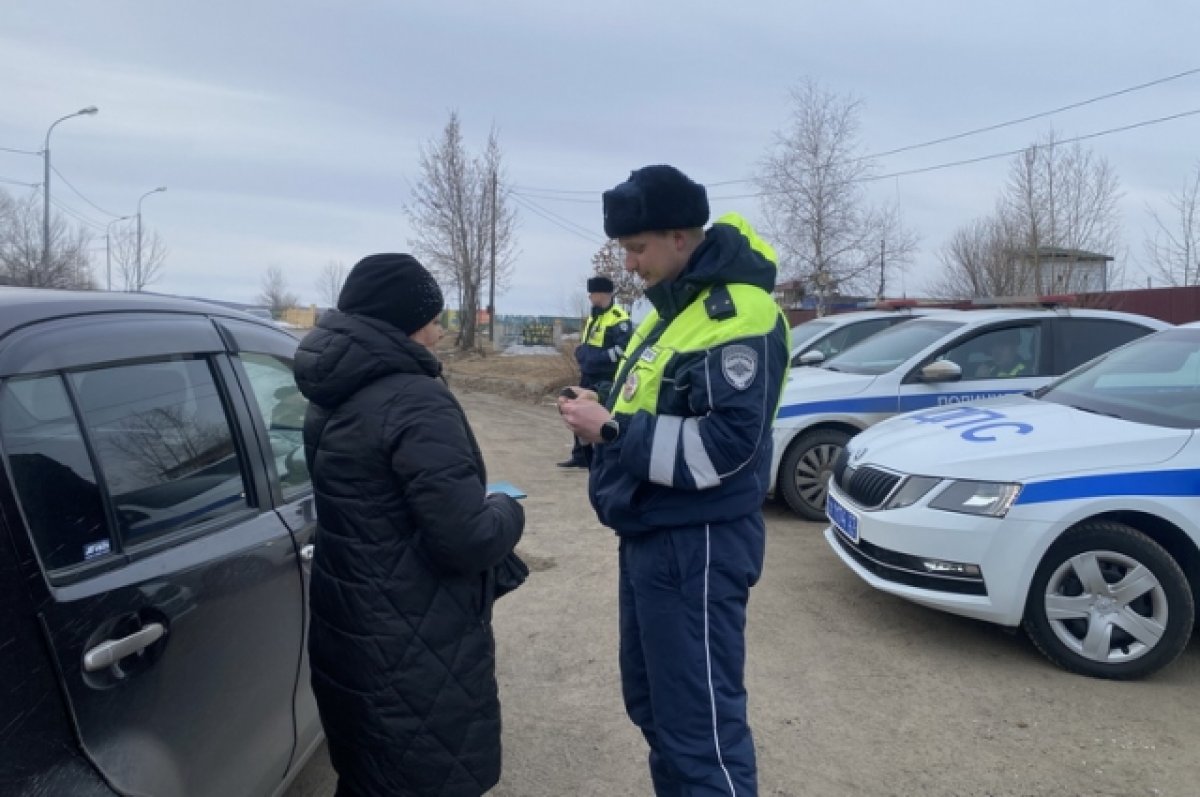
601	345
680	468
1005	360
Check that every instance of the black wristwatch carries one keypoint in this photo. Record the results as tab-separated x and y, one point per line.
610	431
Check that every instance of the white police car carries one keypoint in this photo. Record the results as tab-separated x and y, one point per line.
942	359
1074	512
817	340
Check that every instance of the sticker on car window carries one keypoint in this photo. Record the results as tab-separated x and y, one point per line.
96	549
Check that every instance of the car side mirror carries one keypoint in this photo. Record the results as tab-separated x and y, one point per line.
941	371
810	357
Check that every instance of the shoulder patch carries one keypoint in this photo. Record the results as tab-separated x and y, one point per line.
739	364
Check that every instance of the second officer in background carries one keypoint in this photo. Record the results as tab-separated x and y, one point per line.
605	335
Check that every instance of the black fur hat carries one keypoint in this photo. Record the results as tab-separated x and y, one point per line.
599	285
654	198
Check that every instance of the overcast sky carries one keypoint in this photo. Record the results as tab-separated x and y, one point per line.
288	133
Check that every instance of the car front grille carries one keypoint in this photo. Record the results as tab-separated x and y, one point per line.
867	486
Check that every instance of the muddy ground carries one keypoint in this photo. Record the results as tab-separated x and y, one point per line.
851	692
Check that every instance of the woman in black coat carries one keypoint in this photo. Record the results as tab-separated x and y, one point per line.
407	547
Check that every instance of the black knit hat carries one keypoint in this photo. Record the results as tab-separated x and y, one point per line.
654	198
392	288
599	285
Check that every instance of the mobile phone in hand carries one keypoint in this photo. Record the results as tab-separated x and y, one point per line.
568	392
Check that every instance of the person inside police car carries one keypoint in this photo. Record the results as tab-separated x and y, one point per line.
680	467
602	342
1005	359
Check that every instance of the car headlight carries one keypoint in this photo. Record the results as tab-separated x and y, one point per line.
992	499
912	490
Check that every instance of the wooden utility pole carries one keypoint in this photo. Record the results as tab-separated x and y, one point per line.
492	288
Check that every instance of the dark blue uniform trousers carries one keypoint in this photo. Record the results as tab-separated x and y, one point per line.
683	595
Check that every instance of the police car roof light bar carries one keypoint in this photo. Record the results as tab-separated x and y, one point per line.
1050	300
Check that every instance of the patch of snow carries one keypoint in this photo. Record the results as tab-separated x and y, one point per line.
517	349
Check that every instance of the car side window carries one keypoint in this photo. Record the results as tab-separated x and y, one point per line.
283	408
53	477
164	444
1006	353
1078	340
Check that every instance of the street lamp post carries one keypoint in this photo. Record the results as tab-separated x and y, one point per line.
138	273
108	252
88	111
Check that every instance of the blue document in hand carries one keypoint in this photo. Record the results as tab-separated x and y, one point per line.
508	488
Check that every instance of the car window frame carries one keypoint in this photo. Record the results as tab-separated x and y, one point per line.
247	336
913	376
255	476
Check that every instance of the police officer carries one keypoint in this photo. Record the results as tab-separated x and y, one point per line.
605	336
680	468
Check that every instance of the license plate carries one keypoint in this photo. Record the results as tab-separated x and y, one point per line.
842	518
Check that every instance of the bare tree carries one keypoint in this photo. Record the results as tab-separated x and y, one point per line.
977	262
330	281
1060	197
464	221
610	262
275	293
1057	210
897	245
130	276
1174	251
21	261
813	197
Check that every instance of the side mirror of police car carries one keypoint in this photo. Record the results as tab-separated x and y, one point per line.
810	357
941	371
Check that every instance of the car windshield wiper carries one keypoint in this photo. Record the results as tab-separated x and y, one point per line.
1094	411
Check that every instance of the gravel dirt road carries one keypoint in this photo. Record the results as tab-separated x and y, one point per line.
851	692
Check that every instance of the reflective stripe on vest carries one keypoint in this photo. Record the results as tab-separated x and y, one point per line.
691	331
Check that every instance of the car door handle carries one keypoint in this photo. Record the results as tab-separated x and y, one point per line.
307	552
108	653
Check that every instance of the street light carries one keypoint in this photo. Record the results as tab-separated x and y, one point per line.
138	273
91	110
108	251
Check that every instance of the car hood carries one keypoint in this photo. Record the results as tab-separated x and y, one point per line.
808	382
1015	438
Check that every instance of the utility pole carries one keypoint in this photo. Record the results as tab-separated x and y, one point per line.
492	288
882	273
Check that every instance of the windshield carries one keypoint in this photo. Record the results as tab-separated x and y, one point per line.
1154	380
884	351
809	330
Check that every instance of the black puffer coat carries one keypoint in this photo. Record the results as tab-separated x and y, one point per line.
401	646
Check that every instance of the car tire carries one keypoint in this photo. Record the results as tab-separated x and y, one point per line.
1090	632
806	469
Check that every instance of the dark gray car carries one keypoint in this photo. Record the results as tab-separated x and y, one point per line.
155	531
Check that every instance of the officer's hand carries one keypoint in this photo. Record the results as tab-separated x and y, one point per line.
575	393
584	417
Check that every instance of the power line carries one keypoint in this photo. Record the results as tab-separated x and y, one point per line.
582	229
981	158
76	214
937	166
20	151
81	196
1001	125
19	182
924	144
545	215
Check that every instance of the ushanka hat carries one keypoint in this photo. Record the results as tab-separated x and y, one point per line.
599	285
654	198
